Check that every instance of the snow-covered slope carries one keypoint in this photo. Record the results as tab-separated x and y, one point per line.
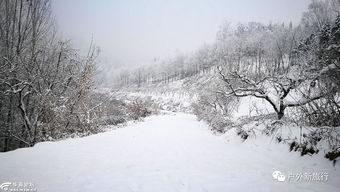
166	153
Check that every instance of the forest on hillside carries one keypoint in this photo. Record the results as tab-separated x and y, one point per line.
288	66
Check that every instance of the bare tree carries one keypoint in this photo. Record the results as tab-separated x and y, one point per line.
273	89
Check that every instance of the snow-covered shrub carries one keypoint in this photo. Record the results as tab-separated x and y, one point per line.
113	111
272	127
324	139
139	108
333	155
250	127
308	140
113	120
214	108
301	138
97	111
242	133
320	52
324	112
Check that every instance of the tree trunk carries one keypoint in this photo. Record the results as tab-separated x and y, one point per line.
280	114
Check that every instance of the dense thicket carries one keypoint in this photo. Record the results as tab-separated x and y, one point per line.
44	83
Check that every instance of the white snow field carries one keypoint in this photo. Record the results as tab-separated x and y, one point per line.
165	153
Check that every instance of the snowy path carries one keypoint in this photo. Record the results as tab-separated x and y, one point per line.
166	153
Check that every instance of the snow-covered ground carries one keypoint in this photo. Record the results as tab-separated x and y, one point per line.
165	153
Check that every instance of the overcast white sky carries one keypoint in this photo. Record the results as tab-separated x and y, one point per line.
134	32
